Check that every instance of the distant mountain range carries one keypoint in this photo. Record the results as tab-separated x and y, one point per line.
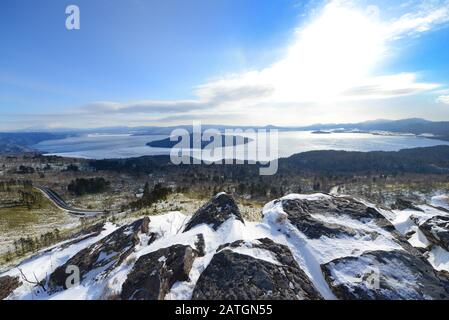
23	140
412	125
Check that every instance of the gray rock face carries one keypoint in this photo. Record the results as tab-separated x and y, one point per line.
300	215
102	256
93	230
436	230
385	275
84	234
155	273
219	209
7	285
233	276
403	204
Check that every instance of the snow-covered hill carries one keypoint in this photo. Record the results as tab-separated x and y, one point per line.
307	247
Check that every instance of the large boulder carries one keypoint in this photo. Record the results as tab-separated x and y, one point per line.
301	213
219	209
233	276
7	285
436	230
101	257
154	274
384	275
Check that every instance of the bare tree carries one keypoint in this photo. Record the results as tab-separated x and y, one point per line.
36	282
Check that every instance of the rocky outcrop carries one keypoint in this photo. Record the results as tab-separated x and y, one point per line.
103	256
404	204
234	276
384	275
310	247
219	209
93	230
85	233
436	230
155	273
7	285
300	213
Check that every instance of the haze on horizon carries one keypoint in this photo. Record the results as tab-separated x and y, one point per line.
286	63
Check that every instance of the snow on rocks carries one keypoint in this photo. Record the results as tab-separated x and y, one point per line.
436	229
39	266
441	201
154	274
384	275
295	252
419	240
267	272
428	230
404	204
103	256
320	228
439	258
215	212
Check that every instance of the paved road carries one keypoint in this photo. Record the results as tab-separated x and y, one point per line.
60	203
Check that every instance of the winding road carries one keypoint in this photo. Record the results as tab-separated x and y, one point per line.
61	204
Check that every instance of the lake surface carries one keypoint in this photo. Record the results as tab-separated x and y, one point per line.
289	143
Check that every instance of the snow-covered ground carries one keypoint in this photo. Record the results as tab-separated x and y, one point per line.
43	263
169	226
310	254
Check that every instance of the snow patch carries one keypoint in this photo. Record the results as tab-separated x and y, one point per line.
439	258
419	240
440	201
43	264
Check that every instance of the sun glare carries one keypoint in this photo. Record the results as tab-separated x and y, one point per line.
336	51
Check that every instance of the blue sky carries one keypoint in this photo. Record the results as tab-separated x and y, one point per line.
284	62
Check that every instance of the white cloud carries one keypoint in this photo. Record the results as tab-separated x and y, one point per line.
441	91
391	86
334	52
425	16
443	99
145	106
332	59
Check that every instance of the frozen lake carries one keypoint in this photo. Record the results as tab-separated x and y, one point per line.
289	143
